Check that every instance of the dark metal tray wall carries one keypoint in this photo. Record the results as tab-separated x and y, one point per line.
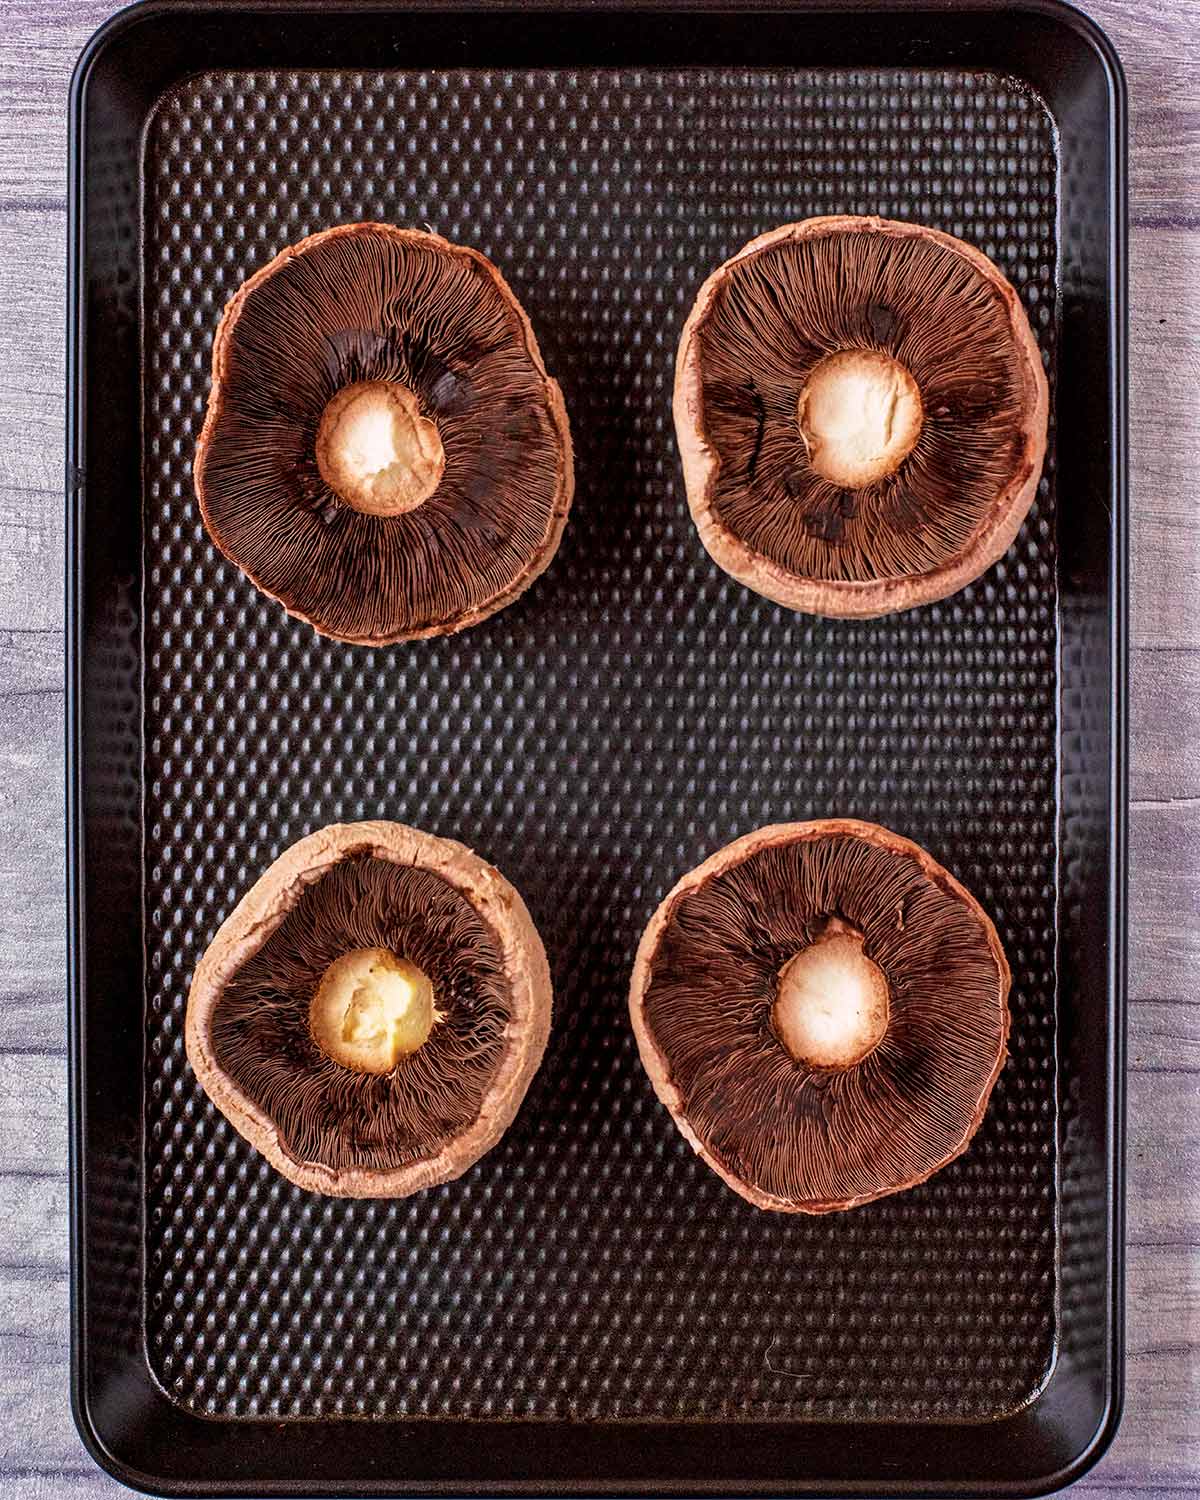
589	1307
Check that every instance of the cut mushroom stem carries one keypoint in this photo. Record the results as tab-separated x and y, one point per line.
376	450
372	1009
860	417
832	1007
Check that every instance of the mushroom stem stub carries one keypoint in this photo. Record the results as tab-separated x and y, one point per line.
860	416
376	451
832	1006
371	1009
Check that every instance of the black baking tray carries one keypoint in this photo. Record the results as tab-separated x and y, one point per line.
589	1310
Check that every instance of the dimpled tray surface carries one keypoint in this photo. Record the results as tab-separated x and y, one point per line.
635	711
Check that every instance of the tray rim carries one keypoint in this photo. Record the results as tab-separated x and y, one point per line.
86	1419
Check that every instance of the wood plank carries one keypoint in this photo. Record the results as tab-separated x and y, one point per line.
1159	1438
93	1484
31	418
1165	892
1164	1121
32	941
1165	432
42	40
35	1423
1164	710
1157	44
31	546
1165	436
1164	896
1160	1435
33	1119
31	359
1164	903
35	1238
31	663
1164	1169
1165	1033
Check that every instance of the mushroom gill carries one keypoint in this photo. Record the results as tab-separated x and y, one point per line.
384	452
337	1115
861	411
370	1014
823	1009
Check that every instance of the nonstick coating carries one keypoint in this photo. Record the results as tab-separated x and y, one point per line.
633	712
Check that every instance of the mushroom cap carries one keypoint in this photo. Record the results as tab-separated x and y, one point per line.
521	966
802	1124
987	488
361	304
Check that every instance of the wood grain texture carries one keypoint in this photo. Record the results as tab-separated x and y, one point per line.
1164	435
1157	44
1157	1453
42	39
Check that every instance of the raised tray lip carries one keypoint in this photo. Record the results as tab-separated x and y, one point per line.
87	1421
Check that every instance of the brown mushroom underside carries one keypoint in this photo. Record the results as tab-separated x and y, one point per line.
765	321
783	1134
331	1114
426	900
367	304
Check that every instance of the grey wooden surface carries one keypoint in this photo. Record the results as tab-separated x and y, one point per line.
1158	1450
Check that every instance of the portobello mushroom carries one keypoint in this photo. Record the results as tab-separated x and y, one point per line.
823	1009
383	452
371	1013
861	413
